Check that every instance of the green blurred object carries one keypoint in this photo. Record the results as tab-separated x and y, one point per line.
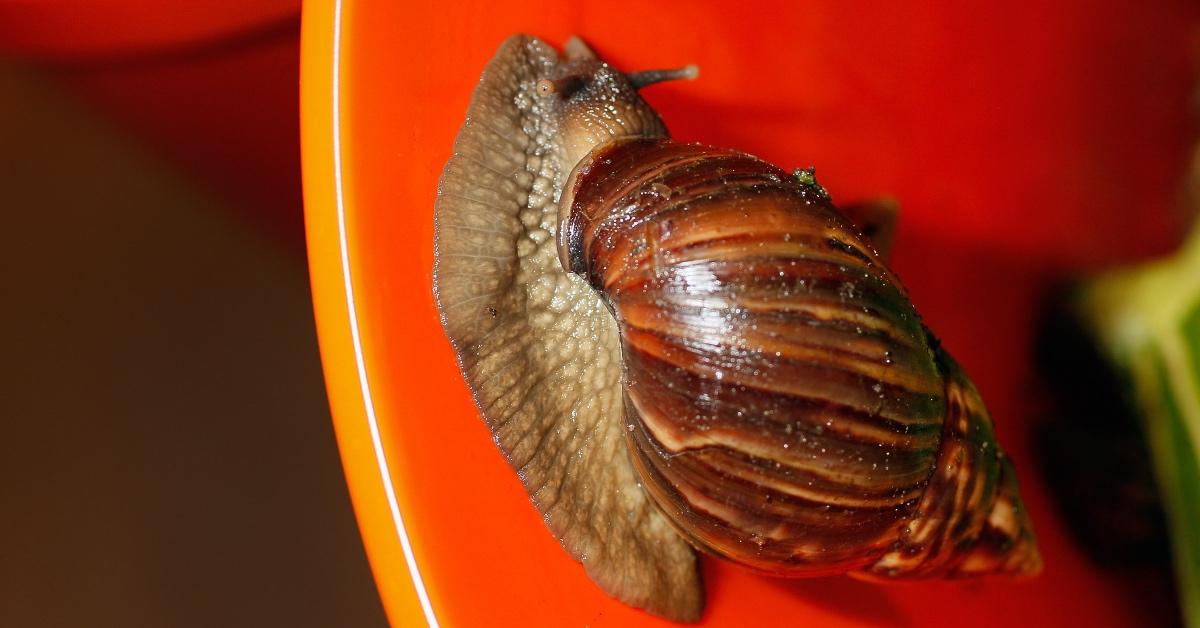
1147	321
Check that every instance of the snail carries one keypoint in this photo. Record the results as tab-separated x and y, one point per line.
679	346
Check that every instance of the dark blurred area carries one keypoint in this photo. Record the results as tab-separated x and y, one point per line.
168	457
1092	447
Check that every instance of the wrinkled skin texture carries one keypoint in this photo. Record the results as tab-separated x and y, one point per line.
537	346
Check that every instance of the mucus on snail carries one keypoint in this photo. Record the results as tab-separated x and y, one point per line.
679	346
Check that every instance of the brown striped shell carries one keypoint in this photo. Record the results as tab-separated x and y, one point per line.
785	402
681	345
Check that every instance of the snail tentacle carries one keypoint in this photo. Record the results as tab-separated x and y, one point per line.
649	77
576	49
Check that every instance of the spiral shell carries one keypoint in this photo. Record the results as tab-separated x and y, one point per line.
786	404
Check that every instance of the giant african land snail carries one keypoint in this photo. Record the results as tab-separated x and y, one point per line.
678	345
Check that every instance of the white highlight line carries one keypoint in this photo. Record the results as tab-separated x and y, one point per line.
384	474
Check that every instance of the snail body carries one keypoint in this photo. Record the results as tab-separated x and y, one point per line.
709	353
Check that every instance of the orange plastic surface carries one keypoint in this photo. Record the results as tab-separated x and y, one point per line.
1021	144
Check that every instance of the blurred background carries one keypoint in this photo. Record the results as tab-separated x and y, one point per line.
167	456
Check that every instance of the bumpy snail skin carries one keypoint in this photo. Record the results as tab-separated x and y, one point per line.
537	346
676	344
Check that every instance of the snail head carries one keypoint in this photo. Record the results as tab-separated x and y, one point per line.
590	102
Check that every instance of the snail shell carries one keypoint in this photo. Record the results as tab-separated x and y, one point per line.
678	345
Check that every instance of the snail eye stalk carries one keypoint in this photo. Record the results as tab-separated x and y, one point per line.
575	49
650	77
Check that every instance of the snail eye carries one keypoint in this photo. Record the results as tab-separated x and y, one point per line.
564	87
545	87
